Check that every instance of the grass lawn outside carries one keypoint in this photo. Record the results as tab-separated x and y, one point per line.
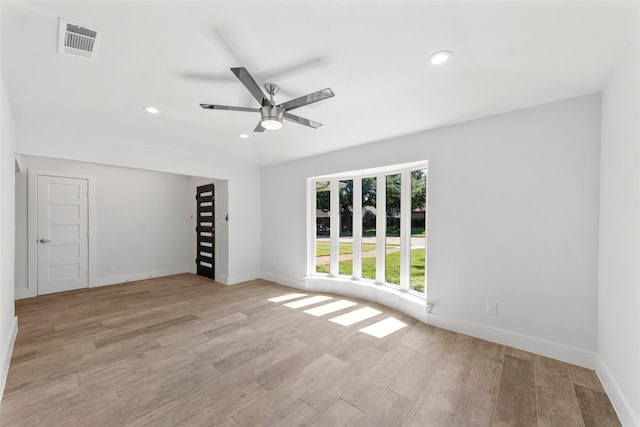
323	248
416	280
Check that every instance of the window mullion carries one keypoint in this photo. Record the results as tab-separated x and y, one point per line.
381	227
357	228
311	226
405	229
334	236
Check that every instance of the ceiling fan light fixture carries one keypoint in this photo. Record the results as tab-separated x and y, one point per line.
270	124
271	117
440	57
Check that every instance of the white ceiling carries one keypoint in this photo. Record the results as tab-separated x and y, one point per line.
176	54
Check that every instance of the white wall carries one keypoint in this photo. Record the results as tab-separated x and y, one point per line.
513	218
243	180
143	224
8	321
619	277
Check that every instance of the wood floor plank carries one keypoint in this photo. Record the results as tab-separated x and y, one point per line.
437	404
389	410
478	393
264	407
516	402
326	390
416	373
375	381
339	414
556	404
184	350
295	415
584	377
595	408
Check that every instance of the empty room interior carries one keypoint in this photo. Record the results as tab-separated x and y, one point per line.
320	213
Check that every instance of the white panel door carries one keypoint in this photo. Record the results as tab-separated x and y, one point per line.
63	239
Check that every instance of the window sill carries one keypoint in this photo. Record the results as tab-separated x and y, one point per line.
403	301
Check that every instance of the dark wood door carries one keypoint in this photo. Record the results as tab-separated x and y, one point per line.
205	230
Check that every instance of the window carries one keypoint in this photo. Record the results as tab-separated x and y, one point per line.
368	240
323	247
346	227
378	232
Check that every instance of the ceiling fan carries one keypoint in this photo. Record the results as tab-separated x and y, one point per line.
271	115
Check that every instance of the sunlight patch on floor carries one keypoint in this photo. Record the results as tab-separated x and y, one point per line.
356	316
287	297
330	308
384	327
308	301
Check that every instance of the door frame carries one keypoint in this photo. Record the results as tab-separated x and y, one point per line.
32	224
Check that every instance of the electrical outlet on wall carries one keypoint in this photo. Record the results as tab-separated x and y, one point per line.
492	308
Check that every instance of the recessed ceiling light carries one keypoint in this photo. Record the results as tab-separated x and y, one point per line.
243	135
440	57
152	110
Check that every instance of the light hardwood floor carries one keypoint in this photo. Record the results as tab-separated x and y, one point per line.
183	350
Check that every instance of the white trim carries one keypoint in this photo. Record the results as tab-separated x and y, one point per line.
334	232
281	280
241	278
624	410
311	226
221	278
356	221
22	294
417	308
5	356
405	229
381	228
32	228
132	277
381	174
19	163
552	349
384	170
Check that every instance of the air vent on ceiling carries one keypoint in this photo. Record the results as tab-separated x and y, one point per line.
76	40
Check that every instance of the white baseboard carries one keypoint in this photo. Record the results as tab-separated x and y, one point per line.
552	349
221	278
131	277
22	294
298	284
628	416
418	310
240	278
5	356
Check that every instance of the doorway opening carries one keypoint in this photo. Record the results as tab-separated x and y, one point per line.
205	230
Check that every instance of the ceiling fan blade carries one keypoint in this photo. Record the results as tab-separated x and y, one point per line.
224	40
207	77
243	75
307	99
301	120
271	75
227	107
259	127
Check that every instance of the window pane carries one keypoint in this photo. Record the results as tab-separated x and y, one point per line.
369	228
346	228
418	222
323	219
392	238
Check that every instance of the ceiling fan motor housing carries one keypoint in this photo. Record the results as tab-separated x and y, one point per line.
272	113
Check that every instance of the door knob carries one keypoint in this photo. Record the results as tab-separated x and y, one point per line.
44	241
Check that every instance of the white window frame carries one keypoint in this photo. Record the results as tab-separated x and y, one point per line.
405	224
